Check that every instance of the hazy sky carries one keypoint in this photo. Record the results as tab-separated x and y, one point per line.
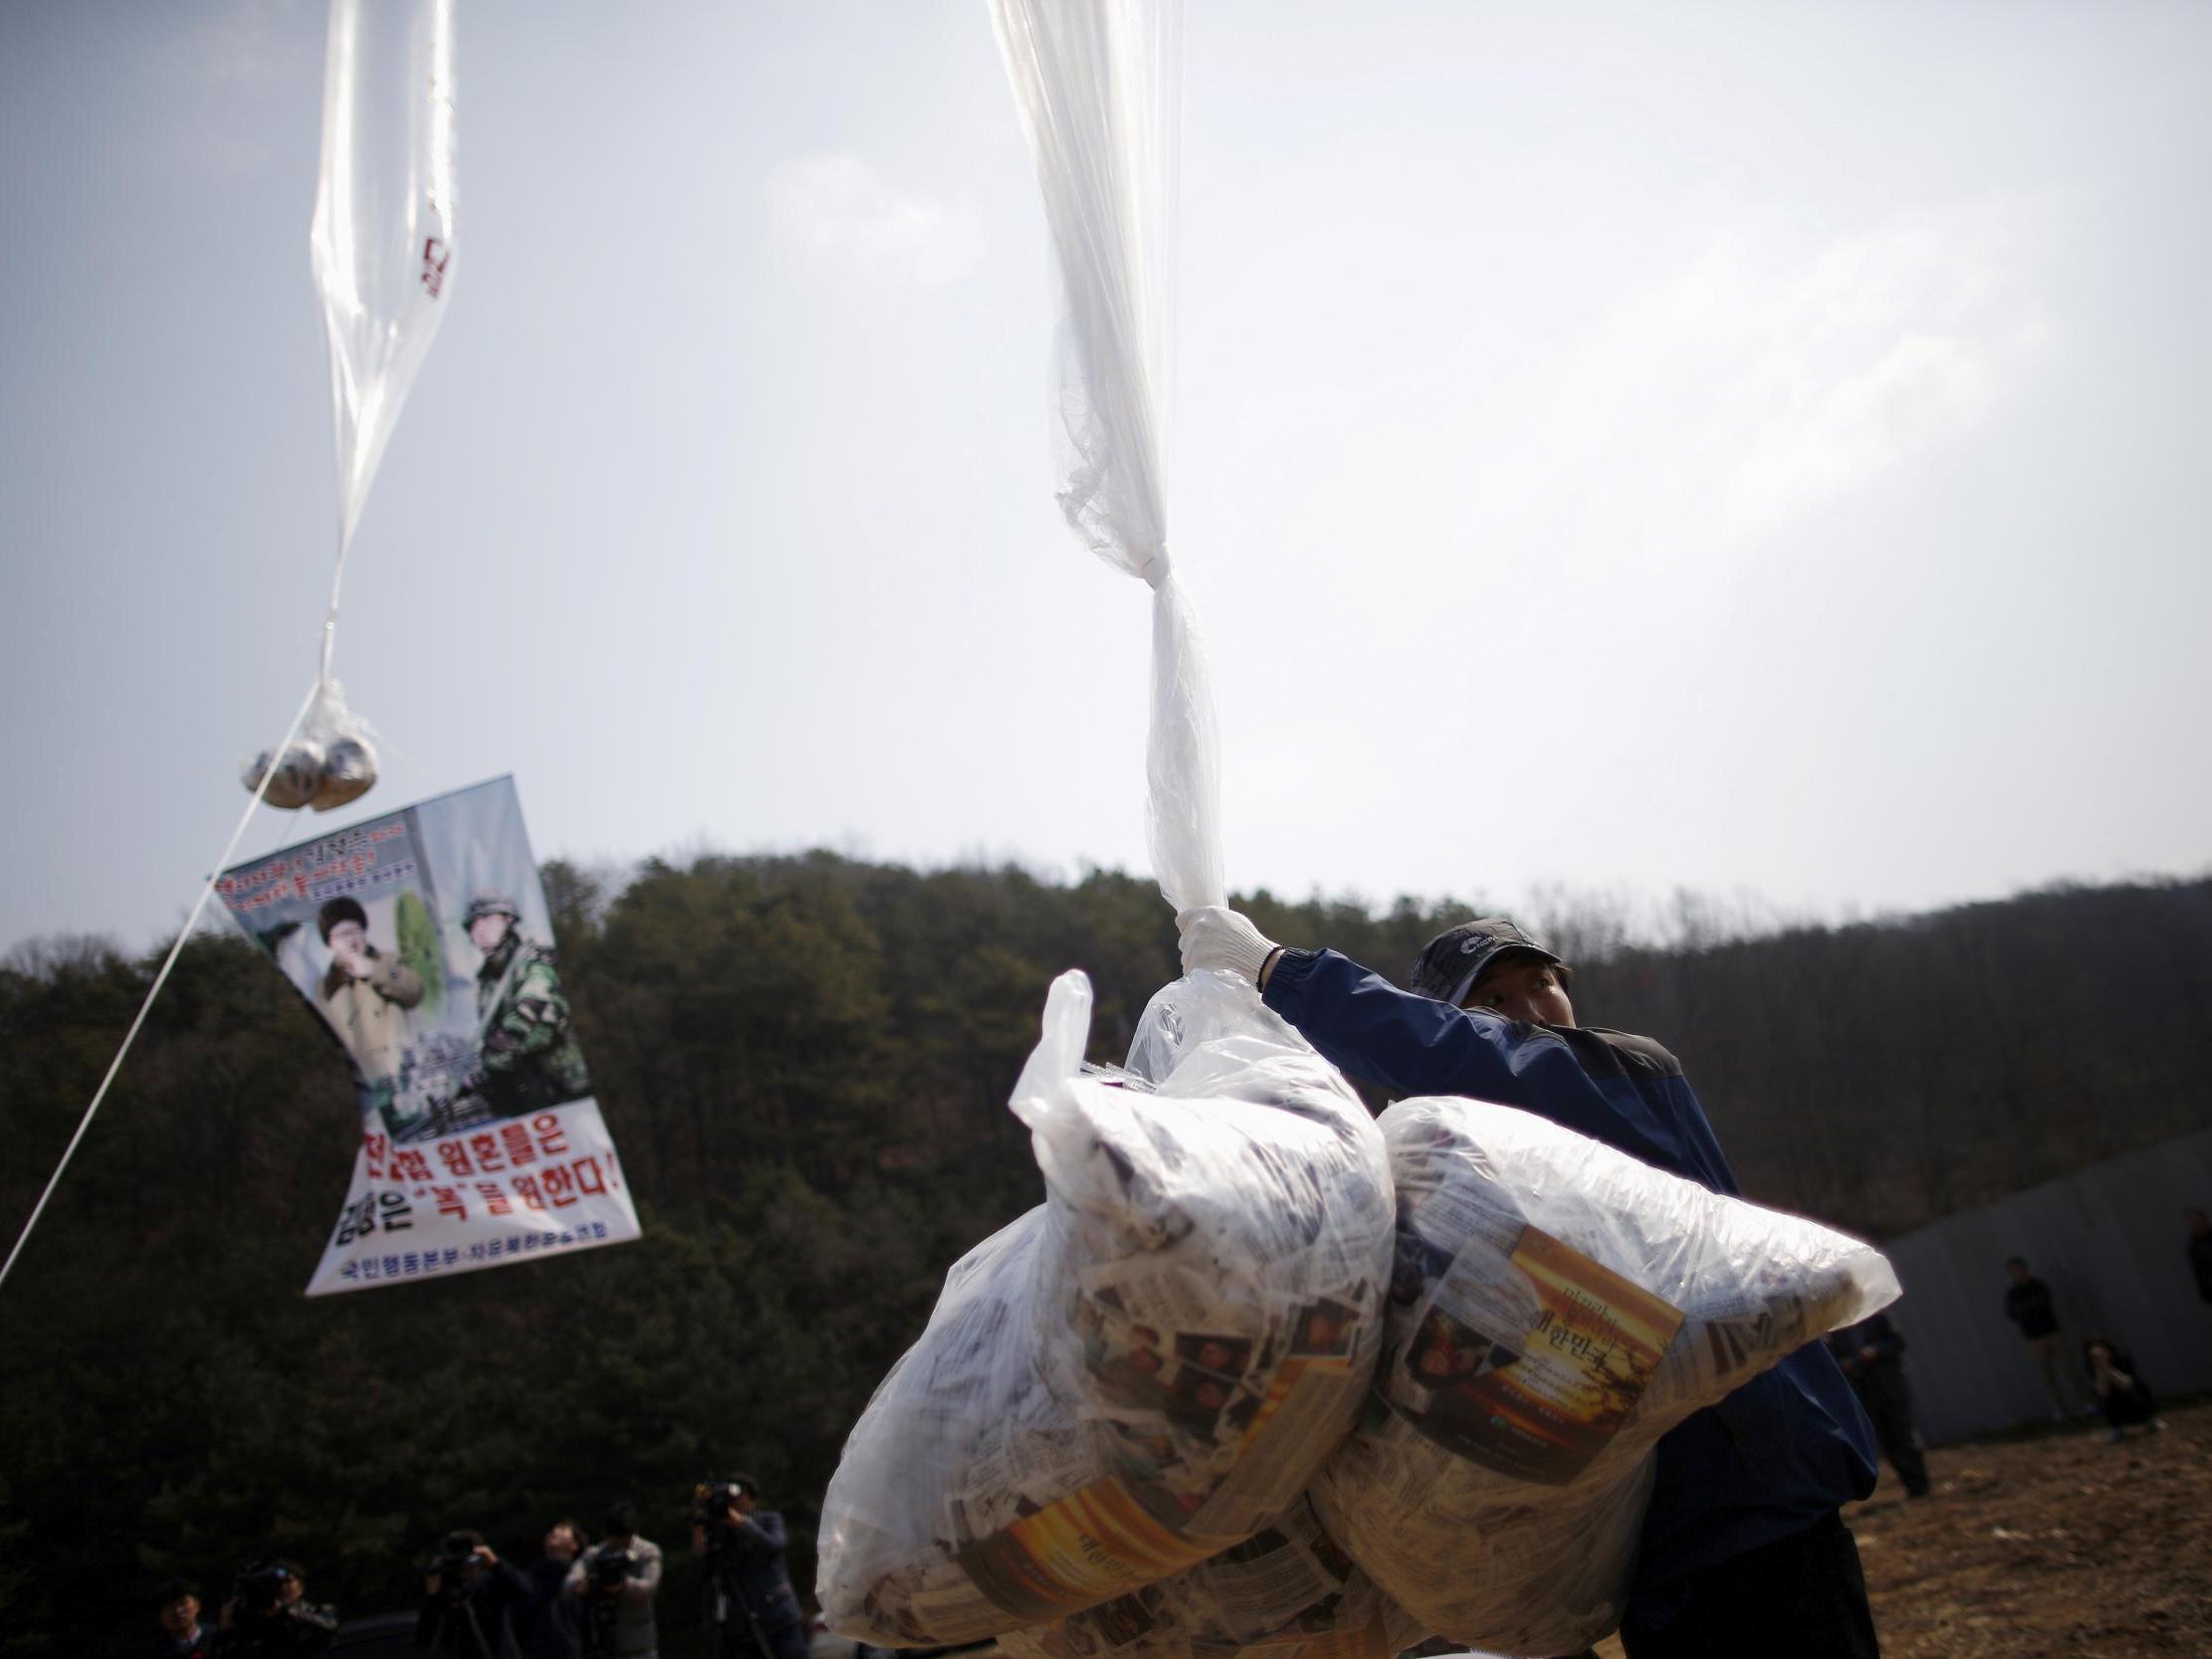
1730	446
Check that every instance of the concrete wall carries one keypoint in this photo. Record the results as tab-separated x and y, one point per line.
2108	1241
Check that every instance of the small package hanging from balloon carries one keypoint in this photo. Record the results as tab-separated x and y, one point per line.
330	762
384	255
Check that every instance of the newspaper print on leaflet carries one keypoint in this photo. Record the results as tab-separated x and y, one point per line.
1286	1592
423	941
1179	1405
1528	1361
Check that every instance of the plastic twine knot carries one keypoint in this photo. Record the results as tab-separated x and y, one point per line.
1152	563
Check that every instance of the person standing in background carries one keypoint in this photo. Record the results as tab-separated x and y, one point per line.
1871	1355
182	1636
615	1581
549	1627
2028	1305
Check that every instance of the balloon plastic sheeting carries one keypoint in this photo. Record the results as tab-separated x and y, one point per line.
384	219
1099	85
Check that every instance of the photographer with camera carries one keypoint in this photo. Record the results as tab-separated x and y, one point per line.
617	1580
268	1617
751	1612
470	1596
549	1626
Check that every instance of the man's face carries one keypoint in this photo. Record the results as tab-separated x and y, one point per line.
1522	988
2019	1272
2200	1225
348	941
486	932
561	1544
178	1617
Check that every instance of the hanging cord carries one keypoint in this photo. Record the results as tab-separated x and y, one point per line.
159	979
329	616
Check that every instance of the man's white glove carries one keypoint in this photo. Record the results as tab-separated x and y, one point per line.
1214	936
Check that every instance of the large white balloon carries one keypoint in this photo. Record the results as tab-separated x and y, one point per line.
383	249
384	235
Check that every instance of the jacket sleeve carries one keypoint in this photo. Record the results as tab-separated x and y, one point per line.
647	1579
313	1627
764	1531
514	1590
394	980
1416	1045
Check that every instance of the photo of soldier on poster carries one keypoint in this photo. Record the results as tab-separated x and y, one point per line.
527	1055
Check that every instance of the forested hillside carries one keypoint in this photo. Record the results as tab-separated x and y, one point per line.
806	1063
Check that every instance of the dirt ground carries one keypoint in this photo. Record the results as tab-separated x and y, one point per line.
2056	1545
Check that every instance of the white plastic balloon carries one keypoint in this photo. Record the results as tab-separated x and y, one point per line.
383	239
383	251
1099	85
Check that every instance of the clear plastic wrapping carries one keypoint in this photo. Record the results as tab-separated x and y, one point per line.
1555	1307
1147	1369
331	761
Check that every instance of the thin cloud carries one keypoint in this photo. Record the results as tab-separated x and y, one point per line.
1893	345
837	216
1752	384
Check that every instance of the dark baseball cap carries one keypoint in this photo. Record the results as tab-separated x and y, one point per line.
1450	963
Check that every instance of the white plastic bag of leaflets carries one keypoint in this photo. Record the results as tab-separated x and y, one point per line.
1556	1305
384	252
1147	1369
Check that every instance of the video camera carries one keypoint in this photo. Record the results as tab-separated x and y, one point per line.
260	1588
711	1501
612	1570
457	1564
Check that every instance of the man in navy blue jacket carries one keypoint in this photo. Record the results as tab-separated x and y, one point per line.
1744	1552
752	1611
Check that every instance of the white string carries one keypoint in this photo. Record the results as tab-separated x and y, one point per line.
337	581
159	979
387	749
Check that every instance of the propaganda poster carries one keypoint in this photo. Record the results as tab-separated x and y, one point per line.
423	941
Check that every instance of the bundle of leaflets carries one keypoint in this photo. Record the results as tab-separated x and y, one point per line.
1286	1592
1149	1367
1556	1305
